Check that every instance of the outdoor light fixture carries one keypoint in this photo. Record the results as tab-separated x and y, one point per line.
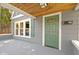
43	5
69	22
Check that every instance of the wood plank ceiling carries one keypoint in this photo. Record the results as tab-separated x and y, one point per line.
35	9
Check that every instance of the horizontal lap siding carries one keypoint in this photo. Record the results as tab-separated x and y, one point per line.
36	36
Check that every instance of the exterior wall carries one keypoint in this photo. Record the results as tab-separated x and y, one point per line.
69	32
37	38
76	51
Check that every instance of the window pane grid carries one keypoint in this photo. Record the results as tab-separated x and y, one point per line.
22	28
27	28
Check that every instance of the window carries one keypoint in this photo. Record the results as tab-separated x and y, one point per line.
23	28
17	28
27	28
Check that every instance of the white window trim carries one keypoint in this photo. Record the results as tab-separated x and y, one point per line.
13	17
29	19
43	33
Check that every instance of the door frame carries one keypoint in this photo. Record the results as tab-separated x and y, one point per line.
43	29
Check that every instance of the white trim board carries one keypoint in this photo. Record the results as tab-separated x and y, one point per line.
24	20
17	16
77	7
43	34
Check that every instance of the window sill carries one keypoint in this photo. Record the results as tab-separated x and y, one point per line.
23	36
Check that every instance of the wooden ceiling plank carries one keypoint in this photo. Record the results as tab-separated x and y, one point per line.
54	10
35	9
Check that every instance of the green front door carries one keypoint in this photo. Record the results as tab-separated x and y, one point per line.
52	31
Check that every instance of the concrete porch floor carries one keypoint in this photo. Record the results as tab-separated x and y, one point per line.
20	47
